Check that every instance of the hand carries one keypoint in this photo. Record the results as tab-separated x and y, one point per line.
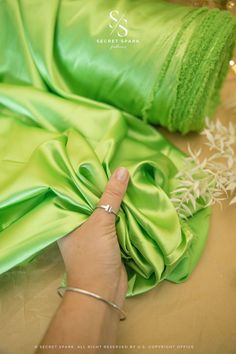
91	253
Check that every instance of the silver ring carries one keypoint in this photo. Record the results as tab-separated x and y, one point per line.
108	208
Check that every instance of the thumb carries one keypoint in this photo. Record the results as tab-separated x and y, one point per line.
115	189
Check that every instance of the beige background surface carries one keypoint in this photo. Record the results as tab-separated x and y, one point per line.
200	313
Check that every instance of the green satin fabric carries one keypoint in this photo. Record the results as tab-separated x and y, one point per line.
58	148
56	156
171	77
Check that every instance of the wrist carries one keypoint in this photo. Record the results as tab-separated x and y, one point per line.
90	307
108	290
94	317
103	289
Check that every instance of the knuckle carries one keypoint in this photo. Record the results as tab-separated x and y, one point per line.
114	192
102	221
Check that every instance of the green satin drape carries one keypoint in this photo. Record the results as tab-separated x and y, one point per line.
58	148
55	158
166	64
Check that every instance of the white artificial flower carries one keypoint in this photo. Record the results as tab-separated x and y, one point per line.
209	180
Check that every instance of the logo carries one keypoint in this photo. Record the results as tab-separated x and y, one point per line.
118	24
116	31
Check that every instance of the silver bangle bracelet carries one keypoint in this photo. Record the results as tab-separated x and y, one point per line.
61	290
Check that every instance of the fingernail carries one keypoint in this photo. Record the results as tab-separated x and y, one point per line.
121	174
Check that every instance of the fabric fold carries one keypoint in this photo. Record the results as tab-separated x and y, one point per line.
164	63
73	82
54	168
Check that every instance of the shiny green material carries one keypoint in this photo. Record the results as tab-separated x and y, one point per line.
58	148
55	158
166	64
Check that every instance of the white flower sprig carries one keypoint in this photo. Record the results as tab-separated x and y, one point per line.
210	180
